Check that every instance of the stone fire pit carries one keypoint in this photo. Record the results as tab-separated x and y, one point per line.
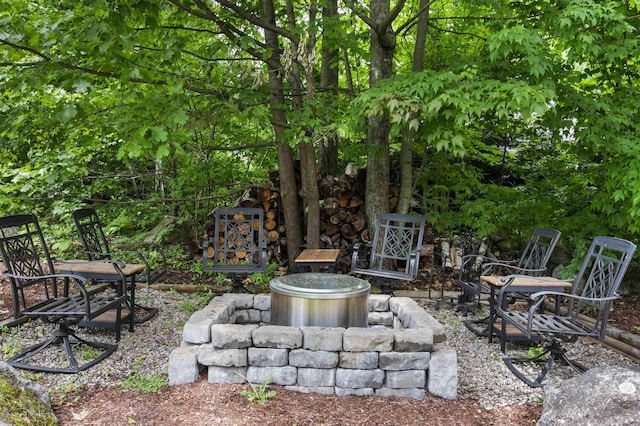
401	353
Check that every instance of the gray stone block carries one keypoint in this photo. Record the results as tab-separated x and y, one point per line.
316	376
265	317
359	360
219	301
404	360
232	336
397	324
268	357
222	357
322	390
378	302
239	301
183	365
313	359
322	338
406	379
246	316
442	377
262	302
423	319
397	303
273	375
413	340
197	328
417	394
346	378
232	375
355	392
277	336
381	318
356	339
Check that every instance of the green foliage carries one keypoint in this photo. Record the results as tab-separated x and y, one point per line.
193	302
537	353
262	279
259	395
525	114
89	352
11	342
143	382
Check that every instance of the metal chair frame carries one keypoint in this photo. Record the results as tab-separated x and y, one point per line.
66	299
594	290
394	253
532	261
240	230
97	247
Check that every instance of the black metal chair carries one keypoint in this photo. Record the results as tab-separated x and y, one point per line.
97	247
238	247
587	307
394	253
532	261
64	300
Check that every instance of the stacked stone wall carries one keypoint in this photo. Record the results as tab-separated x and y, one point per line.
401	353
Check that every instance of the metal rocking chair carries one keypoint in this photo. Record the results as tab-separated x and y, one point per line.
238	247
394	253
532	261
64	300
588	304
97	247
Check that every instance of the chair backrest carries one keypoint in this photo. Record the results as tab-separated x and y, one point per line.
25	253
94	242
537	251
396	238
239	245
599	277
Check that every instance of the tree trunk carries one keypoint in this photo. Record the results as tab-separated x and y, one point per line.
288	189
406	150
308	164
328	146
383	43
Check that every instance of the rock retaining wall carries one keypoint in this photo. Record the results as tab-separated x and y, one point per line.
400	354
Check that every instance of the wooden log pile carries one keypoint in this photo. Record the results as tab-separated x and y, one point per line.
343	220
342	216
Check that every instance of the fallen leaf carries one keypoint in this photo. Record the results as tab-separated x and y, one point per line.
81	415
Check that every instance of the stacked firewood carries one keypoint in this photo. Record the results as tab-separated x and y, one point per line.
342	216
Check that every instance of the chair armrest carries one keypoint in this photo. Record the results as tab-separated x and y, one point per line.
117	262
492	268
475	262
79	281
357	249
414	262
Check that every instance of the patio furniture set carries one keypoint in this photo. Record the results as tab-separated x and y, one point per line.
100	292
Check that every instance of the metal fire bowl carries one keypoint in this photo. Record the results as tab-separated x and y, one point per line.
319	299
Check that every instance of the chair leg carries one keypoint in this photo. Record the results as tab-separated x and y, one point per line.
64	338
237	287
467	301
480	332
552	353
150	312
386	287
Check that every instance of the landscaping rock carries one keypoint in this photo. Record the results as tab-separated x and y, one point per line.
600	396
23	401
